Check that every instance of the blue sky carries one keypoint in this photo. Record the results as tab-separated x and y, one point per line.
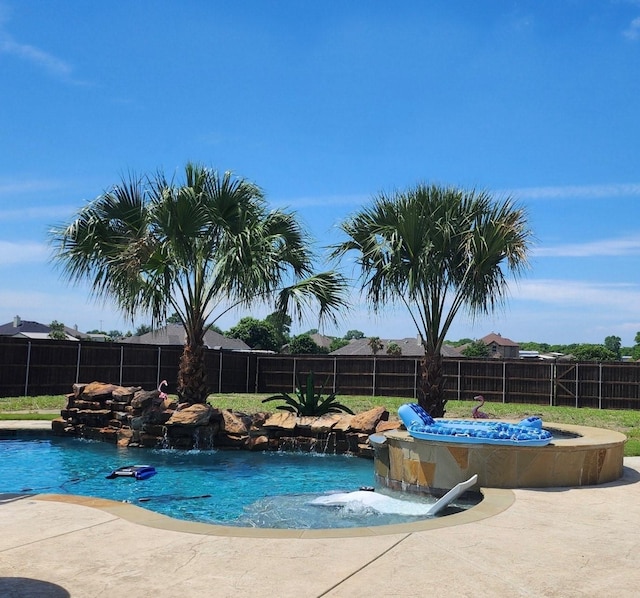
324	105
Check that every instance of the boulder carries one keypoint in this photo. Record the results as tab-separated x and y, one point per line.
304	422
259	443
368	420
193	415
234	423
325	423
344	423
96	391
125	435
144	398
281	419
125	393
383	425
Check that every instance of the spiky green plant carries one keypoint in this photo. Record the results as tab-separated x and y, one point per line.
309	402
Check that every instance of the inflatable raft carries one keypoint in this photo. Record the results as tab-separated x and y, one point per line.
139	472
420	424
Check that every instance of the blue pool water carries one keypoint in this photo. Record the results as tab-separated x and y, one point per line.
240	488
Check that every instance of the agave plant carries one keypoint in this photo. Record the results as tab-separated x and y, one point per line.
309	402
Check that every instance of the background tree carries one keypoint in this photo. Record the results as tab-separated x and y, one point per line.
587	352
174	318
353	334
56	331
142	329
258	334
635	350
476	348
613	343
436	250
281	324
375	344
197	248
304	344
112	335
394	349
460	342
337	343
540	347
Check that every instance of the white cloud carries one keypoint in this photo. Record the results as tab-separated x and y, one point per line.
22	253
577	191
633	31
38	213
577	294
552	192
53	65
605	247
56	67
18	187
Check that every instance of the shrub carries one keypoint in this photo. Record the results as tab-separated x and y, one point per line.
309	402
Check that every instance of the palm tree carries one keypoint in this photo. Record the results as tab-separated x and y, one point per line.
375	344
195	249
436	250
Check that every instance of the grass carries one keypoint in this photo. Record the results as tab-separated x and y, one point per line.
625	421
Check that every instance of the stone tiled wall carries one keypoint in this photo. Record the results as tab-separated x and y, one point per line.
581	456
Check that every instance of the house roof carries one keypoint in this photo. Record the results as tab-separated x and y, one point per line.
410	347
173	334
23	326
34	330
498	340
321	340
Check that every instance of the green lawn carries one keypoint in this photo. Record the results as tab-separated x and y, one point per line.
625	421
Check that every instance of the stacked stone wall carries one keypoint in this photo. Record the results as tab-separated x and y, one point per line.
134	417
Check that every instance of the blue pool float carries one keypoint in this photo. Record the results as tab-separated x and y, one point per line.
139	472
420	424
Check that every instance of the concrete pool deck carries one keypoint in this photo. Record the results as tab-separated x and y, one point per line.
544	542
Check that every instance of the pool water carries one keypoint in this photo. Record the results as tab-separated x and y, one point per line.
239	488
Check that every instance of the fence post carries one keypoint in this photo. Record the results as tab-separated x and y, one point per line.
600	386
295	363
78	363
26	376
257	372
552	374
220	373
577	384
335	373
415	379
121	362
373	381
158	368
504	382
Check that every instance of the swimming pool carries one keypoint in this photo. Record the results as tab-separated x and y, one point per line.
237	488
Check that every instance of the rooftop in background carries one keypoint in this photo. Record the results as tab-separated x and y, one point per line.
410	347
173	334
30	329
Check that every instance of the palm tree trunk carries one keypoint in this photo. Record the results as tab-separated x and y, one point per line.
192	376
431	386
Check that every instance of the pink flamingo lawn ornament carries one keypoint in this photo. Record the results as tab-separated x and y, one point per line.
475	412
163	395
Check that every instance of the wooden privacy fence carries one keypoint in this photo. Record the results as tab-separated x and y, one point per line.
46	367
604	385
43	367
